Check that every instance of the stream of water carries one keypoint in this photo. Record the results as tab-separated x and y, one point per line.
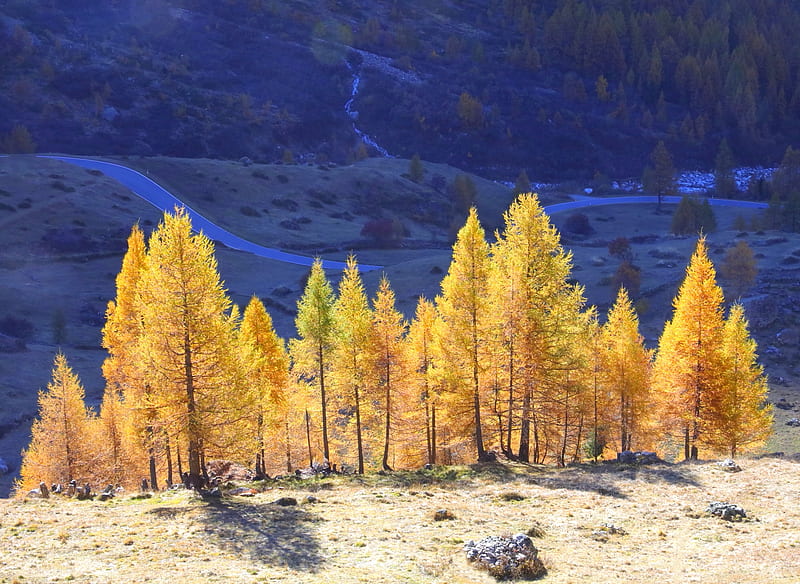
348	108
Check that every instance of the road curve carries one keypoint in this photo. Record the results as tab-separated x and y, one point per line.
162	199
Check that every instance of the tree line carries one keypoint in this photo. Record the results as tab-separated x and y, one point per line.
506	359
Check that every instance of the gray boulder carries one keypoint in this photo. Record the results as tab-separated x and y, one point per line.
727	511
729	465
794	422
506	558
638	457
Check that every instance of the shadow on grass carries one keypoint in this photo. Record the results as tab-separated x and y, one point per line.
265	533
610	479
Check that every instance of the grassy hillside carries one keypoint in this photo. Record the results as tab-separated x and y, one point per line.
62	234
381	529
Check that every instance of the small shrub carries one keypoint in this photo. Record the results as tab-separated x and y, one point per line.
578	224
249	211
16	327
287	204
512	496
283	179
260	174
620	248
57	184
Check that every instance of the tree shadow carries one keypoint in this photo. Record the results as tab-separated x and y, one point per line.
265	533
609	479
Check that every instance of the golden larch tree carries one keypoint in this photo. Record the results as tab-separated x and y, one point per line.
745	419
540	314
689	368
463	306
127	425
312	351
389	328
626	364
353	350
187	342
419	360
59	450
266	375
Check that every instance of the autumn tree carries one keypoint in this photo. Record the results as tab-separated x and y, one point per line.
312	351
463	307
388	329
419	359
745	419
266	375
128	424
659	176
689	366
58	451
626	373
739	267
539	312
186	345
353	355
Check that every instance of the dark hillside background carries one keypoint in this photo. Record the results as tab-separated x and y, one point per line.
559	88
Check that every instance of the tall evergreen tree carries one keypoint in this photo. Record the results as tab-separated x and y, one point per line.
354	341
388	330
59	450
689	365
659	177
745	420
419	360
539	312
463	306
626	368
312	352
266	365
186	345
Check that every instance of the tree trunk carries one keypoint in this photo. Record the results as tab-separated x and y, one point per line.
326	454
169	460
525	428
308	439
385	462
433	434
358	432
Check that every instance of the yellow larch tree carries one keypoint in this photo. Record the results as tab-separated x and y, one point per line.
541	314
745	420
423	390
626	364
689	369
388	328
187	341
312	351
463	306
353	351
127	426
59	450
266	374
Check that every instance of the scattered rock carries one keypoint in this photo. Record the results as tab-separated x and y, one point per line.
605	530
639	457
310	499
598	261
243	492
794	422
245	161
40	493
443	515
727	511
506	557
286	502
729	465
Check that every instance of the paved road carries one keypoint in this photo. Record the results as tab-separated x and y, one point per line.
159	197
156	195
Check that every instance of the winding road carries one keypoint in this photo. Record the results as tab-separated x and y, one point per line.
162	199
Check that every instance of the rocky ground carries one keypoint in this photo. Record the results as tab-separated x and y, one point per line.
600	523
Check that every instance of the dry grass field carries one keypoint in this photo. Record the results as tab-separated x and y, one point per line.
381	529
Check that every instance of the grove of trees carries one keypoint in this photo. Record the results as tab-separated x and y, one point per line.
506	359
